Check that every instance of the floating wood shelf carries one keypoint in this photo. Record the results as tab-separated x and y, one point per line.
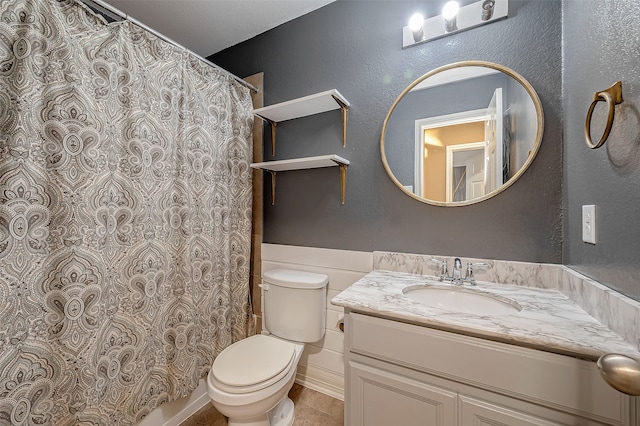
330	160
303	107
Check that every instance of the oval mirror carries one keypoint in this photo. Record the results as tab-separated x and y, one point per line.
462	133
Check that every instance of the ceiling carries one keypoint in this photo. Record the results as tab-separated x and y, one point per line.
209	26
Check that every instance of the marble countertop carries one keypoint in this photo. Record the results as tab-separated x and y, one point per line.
548	320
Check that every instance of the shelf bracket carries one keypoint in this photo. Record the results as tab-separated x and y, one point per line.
273	187
343	181
273	137
345	116
273	125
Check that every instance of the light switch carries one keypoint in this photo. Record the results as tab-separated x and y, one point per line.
589	224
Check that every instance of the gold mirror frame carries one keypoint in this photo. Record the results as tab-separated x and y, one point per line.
534	151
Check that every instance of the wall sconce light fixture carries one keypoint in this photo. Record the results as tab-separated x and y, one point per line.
454	19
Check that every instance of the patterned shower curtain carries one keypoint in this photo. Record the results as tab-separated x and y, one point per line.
125	217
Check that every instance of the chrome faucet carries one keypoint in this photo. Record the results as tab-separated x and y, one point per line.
457	271
457	277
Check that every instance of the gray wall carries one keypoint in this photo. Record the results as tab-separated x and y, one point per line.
355	47
602	46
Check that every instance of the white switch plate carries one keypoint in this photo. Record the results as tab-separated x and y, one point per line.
589	224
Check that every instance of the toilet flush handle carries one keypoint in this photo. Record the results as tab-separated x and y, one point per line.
265	287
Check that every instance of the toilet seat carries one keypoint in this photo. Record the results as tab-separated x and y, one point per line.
253	364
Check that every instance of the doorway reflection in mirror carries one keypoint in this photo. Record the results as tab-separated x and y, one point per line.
477	118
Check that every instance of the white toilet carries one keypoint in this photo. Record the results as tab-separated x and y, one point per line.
249	381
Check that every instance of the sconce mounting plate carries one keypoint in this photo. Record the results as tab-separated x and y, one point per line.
469	16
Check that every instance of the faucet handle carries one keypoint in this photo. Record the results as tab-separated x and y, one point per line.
470	275
444	269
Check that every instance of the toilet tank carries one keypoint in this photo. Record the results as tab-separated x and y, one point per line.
294	304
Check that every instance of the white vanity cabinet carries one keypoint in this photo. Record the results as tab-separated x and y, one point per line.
404	374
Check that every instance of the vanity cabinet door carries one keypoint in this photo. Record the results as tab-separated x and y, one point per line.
382	398
479	413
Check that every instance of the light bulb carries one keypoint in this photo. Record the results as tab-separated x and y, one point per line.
415	25
450	10
415	22
487	9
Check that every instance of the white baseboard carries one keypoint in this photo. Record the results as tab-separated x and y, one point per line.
175	412
321	380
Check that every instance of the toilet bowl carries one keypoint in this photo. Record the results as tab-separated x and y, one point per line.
250	380
254	391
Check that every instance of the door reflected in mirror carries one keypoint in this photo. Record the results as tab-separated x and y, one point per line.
462	133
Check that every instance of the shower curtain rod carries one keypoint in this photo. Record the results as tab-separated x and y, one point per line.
117	14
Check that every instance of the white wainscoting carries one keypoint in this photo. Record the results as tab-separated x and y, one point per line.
321	367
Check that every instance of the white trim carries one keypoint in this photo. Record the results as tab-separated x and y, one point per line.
322	381
450	150
463	117
348	260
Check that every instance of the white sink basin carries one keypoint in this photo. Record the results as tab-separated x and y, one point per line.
461	300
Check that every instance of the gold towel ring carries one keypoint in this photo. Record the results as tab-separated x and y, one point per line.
612	96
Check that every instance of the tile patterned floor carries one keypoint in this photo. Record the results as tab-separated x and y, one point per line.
312	409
